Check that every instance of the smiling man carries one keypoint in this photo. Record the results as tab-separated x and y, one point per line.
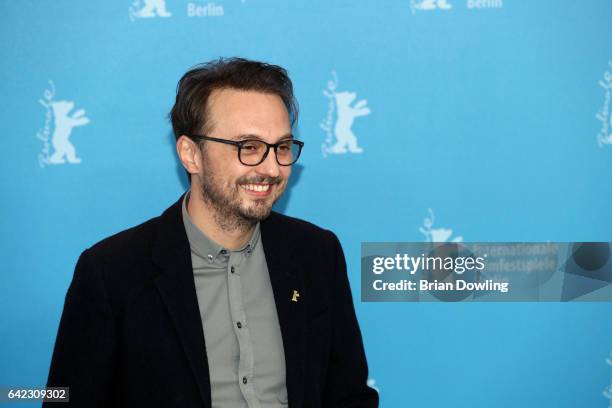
218	302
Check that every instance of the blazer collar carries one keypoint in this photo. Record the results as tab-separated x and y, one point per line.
175	282
287	278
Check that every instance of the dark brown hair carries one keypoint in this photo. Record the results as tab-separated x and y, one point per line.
189	113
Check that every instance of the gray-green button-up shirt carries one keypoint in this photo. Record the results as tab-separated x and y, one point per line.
244	346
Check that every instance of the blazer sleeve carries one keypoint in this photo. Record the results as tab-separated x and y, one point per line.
348	370
84	354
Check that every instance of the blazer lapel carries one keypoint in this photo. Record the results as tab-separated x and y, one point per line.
287	281
176	285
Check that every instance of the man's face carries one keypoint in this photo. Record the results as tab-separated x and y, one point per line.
242	195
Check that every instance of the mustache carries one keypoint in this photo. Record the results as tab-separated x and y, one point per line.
260	179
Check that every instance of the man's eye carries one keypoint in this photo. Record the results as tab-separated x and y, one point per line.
250	147
285	147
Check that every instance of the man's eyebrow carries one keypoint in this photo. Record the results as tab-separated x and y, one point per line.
249	136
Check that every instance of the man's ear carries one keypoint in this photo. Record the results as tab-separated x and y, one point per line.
189	154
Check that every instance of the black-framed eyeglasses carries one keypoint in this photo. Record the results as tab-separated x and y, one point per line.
252	152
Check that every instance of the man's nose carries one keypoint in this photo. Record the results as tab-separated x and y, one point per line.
269	167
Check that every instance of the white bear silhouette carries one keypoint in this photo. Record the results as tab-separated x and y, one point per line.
63	128
437	234
152	8
346	116
433	4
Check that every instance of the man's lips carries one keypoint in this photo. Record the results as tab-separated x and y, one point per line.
257	189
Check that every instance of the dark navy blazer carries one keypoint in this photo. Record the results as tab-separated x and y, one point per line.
131	332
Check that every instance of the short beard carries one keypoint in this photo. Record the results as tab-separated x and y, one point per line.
227	212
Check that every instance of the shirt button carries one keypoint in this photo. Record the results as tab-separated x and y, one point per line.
244	380
232	269
210	258
239	325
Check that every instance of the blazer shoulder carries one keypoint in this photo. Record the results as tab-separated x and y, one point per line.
130	243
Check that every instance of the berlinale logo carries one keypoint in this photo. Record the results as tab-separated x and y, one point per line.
341	114
429	5
59	117
437	234
140	9
148	9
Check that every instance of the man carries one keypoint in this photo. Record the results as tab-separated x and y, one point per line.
218	302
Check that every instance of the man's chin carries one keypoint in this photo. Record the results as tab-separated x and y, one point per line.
258	210
256	215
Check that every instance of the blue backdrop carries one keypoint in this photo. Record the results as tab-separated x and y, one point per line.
473	120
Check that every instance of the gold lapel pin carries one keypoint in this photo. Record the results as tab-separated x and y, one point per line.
295	296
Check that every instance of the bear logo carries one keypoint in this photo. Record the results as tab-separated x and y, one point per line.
64	123
340	137
345	138
149	9
437	234
429	5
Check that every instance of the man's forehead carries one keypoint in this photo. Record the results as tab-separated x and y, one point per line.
242	98
260	114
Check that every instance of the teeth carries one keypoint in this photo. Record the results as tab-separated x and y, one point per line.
256	187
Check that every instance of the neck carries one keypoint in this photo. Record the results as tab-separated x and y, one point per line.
228	234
